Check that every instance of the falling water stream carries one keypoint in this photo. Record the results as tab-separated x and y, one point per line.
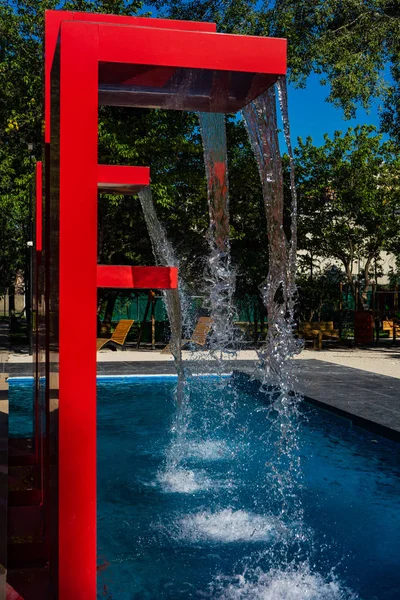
165	256
281	85
279	294
291	551
220	275
261	122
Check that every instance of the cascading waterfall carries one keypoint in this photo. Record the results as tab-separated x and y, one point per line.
212	424
261	122
279	293
220	275
165	256
281	85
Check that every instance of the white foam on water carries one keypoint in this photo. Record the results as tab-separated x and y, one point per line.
184	481
209	450
298	584
227	526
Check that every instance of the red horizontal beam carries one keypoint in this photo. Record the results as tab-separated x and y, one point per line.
115	179
158	278
54	18
142	21
192	49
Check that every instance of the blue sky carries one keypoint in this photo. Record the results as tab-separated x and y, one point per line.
310	114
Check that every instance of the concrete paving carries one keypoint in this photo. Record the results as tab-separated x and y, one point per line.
371	400
384	360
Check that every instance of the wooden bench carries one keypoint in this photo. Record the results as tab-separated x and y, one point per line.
317	331
389	326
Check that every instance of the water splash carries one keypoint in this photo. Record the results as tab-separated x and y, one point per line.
281	85
283	475
228	526
174	299
292	584
220	275
184	481
278	292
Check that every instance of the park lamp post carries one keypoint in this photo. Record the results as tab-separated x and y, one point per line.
29	287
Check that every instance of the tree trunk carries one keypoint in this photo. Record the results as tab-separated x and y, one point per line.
320	307
255	331
111	300
349	276
367	279
100	228
312	313
262	322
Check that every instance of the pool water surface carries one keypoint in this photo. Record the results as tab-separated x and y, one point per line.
210	524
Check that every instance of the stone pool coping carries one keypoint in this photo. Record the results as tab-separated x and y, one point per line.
369	400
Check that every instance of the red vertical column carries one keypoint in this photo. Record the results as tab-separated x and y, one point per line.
37	267
38	207
77	279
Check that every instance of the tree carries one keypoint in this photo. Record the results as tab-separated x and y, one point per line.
352	44
317	293
168	141
348	194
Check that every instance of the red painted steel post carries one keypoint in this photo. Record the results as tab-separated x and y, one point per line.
38	213
77	277
35	324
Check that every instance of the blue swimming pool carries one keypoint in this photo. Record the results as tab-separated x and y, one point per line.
20	420
212	526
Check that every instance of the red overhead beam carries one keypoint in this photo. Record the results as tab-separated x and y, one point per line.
54	18
191	49
114	179
158	278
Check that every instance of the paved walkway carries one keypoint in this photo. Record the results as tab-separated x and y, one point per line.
381	361
370	399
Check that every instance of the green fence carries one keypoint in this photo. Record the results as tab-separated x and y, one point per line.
246	308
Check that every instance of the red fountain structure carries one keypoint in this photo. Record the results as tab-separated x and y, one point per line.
93	60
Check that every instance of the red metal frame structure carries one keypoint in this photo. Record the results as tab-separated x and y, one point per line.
37	267
124	61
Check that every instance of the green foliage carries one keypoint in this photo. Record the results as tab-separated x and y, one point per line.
348	194
348	187
248	224
167	141
349	43
318	293
20	123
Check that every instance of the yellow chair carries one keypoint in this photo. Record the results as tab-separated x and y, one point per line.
199	335
117	340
